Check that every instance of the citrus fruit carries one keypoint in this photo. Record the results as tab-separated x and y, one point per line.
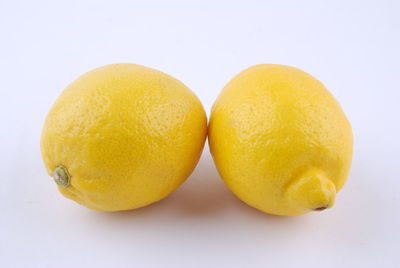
123	136
280	140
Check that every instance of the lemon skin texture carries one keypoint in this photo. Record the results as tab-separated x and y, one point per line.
280	140
122	137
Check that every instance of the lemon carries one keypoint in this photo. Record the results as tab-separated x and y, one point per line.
280	140
123	136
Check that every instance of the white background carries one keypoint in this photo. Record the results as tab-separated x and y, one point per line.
352	46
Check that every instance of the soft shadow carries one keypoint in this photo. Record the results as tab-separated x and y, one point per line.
203	195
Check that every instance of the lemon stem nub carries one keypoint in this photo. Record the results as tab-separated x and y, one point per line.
320	208
311	190
61	176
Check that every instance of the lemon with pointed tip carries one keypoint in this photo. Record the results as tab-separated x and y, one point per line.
280	140
123	136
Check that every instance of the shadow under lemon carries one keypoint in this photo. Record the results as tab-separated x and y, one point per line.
203	196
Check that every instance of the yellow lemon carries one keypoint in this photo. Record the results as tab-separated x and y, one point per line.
280	140
123	136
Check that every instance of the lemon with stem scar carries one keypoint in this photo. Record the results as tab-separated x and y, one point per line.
123	136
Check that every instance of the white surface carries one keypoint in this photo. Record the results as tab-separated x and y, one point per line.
352	46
